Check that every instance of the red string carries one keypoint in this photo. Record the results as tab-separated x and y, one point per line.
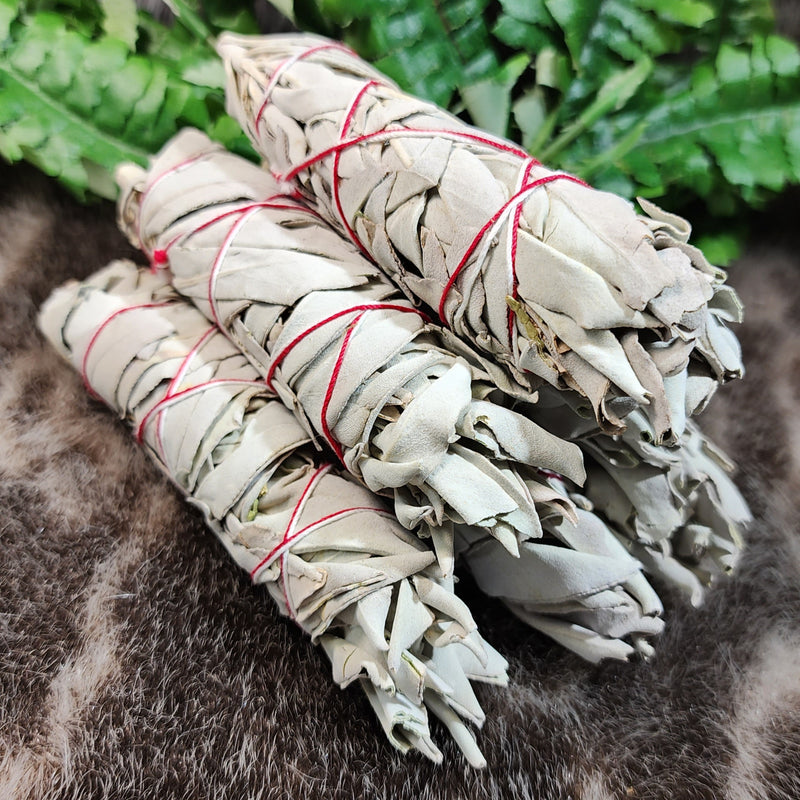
96	335
313	480
176	379
288	62
245	212
299	338
289	533
160	256
219	258
179	375
516	198
184	365
291	536
514	241
337	368
172	399
159	259
286	542
546	473
345	512
242	213
335	172
326	431
399	133
270	202
157	255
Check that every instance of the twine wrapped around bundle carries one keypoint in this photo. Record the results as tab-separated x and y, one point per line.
331	555
562	284
574	582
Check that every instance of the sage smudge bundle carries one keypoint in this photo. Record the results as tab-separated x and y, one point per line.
585	306
330	553
562	284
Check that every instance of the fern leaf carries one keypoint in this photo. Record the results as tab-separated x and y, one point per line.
732	130
77	102
51	78
430	48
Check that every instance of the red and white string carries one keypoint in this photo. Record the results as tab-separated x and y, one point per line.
292	535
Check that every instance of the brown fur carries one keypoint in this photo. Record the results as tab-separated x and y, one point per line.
136	661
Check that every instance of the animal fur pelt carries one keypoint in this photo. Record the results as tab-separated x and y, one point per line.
137	662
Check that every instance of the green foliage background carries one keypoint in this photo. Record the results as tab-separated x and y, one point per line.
694	102
85	86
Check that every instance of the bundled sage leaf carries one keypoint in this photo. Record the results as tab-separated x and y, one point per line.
578	584
678	508
562	284
331	555
675	507
565	587
358	363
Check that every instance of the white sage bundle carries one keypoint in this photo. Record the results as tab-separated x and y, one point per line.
574	585
331	555
562	284
342	347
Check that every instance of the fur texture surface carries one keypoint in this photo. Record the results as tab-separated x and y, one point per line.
136	661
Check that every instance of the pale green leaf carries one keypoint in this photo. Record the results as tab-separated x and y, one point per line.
530	114
720	248
693	13
207	72
9	10
576	18
613	96
119	20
